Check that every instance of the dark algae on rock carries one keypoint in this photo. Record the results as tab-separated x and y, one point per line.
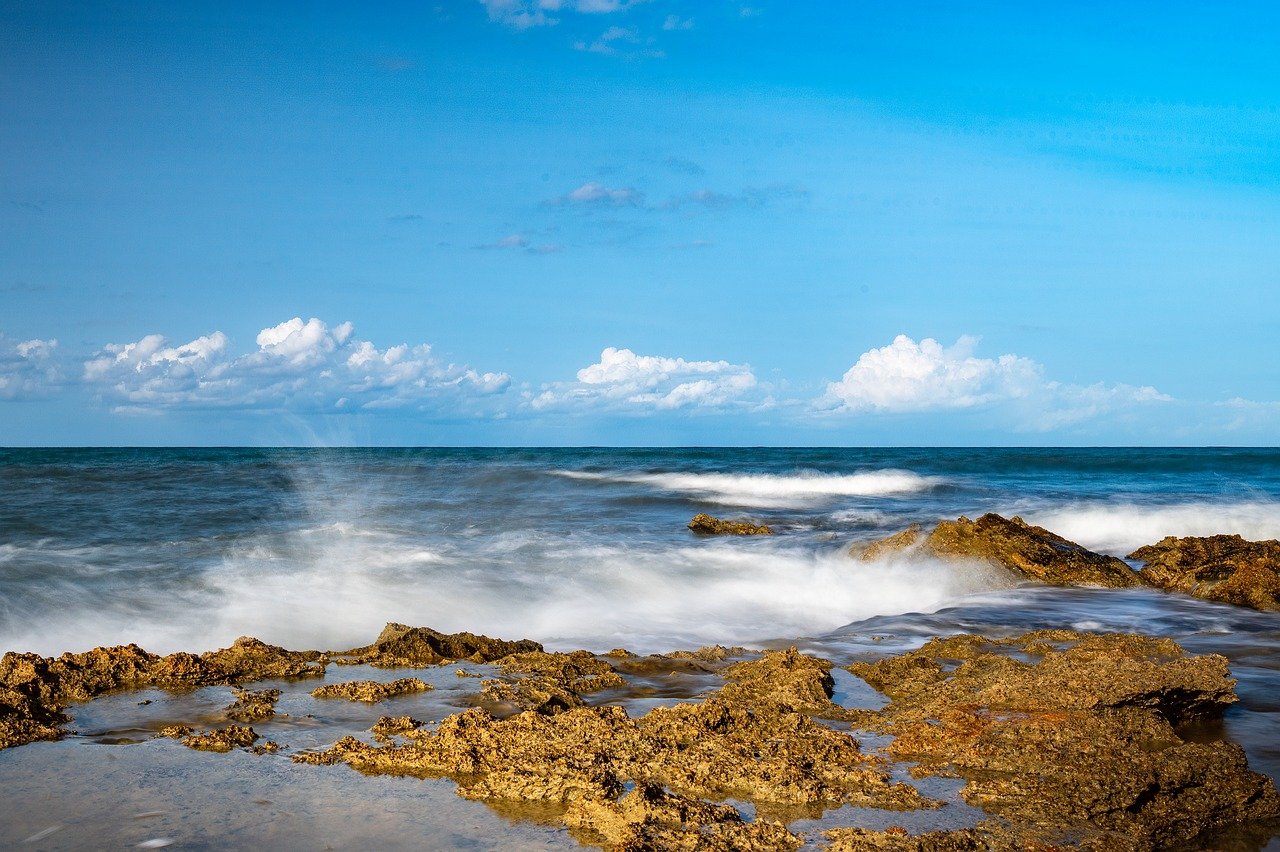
1029	551
401	646
1223	568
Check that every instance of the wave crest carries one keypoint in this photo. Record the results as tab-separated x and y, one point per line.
771	491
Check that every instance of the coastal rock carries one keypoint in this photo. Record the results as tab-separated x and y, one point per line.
649	817
371	691
1224	568
1082	741
747	741
222	739
390	726
401	646
704	524
253	706
1029	551
549	683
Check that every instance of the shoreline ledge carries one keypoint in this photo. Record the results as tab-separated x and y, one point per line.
1058	738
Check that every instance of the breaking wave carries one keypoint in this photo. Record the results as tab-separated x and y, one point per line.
1120	528
772	491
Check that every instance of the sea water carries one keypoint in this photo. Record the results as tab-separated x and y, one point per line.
186	549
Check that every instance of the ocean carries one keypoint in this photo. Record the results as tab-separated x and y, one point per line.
187	549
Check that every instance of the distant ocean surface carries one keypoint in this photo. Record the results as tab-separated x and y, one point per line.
190	548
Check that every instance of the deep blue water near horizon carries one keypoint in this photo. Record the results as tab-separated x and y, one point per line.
318	548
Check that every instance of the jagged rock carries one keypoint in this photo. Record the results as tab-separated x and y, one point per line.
371	691
1081	740
747	741
177	732
1224	568
401	646
1029	551
651	818
704	524
389	726
253	706
222	739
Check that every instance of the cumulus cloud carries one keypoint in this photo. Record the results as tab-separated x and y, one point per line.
305	365
623	379
910	376
907	376
27	368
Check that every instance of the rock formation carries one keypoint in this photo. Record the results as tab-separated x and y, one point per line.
1029	551
704	524
1224	568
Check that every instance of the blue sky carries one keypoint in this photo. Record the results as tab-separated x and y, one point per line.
601	222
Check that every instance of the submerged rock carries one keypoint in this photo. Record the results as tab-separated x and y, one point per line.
1082	742
253	706
1029	551
704	524
401	646
371	691
222	739
1224	568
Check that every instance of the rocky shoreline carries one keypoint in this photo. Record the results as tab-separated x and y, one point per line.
1053	739
1061	738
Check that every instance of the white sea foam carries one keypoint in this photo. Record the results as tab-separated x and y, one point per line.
772	491
1120	528
336	591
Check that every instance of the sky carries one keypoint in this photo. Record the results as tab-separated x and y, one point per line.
602	222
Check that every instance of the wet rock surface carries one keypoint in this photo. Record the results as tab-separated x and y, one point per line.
1224	568
1031	552
371	691
400	646
253	706
1077	740
34	690
1059	739
222	739
704	524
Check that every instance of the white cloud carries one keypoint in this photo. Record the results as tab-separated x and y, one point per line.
27	368
595	193
623	379
608	41
910	376
297	364
675	22
907	376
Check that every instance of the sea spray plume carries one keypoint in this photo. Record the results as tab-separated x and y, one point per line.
1117	527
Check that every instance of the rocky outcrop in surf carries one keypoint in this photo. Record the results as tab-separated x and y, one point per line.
400	646
1224	568
1029	551
704	524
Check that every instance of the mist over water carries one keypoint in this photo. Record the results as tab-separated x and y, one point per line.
188	549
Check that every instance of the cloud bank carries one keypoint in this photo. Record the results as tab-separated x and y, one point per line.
297	365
